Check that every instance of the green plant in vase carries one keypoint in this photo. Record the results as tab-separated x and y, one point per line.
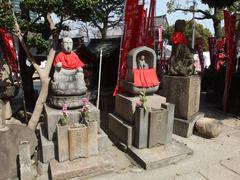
143	100
85	110
64	118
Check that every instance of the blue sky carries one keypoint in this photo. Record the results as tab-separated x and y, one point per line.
161	9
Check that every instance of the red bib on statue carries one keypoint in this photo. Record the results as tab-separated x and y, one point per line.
69	61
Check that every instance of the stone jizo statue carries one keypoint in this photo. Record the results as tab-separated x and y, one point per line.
181	61
68	78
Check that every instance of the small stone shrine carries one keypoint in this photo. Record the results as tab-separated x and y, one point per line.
143	122
182	86
71	130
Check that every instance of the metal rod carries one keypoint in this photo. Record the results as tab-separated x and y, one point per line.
99	79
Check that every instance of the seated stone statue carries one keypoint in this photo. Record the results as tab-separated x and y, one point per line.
68	85
181	61
141	74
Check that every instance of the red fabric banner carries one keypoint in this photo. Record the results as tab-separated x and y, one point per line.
212	50
137	32
8	48
230	22
199	48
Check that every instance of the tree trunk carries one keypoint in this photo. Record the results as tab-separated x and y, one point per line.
217	23
104	33
40	101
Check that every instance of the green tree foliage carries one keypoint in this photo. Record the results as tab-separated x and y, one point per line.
39	30
107	14
200	31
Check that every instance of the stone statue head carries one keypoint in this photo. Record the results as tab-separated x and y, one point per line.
180	25
67	45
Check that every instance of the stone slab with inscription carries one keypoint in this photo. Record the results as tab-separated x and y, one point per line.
184	92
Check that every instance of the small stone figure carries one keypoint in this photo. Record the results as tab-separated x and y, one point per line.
68	78
142	63
182	62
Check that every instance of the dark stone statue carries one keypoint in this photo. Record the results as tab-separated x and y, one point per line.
181	61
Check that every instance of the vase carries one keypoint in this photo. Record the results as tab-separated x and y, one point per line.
140	139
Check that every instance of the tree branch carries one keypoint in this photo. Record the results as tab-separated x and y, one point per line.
206	14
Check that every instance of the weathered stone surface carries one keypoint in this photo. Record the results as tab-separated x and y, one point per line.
42	168
47	147
82	168
209	127
9	141
184	92
120	129
7	110
167	137
125	106
68	82
95	114
25	161
62	143
157	127
92	131
185	128
150	158
71	101
140	138
52	116
103	142
78	141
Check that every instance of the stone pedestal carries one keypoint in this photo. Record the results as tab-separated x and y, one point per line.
125	106
78	142
52	117
184	92
62	143
120	129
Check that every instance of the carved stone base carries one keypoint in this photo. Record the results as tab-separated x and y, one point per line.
71	101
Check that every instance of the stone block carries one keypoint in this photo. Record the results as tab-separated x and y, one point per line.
157	127
25	161
42	168
185	128
120	129
167	137
62	143
52	117
47	146
92	131
103	142
95	115
140	138
78	141
125	106
82	168
184	92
